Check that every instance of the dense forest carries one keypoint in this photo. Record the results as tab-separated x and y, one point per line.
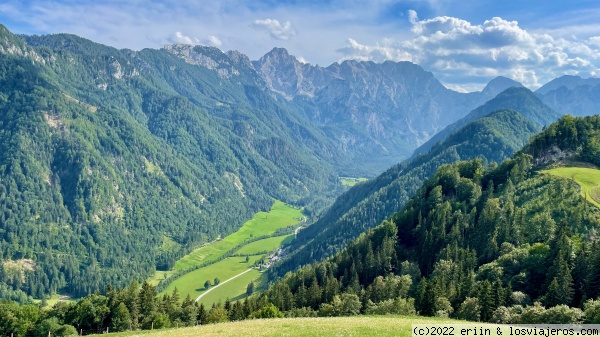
113	165
495	243
494	135
498	243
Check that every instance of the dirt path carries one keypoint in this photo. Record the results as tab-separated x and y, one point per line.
220	283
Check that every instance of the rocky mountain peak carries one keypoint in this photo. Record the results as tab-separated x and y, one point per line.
284	74
208	57
11	44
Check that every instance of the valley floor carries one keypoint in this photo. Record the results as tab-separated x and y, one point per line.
234	268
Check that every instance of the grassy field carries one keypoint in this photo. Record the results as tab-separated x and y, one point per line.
263	223
350	181
234	289
587	178
193	282
55	299
268	244
376	326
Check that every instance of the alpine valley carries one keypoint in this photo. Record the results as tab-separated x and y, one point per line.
121	167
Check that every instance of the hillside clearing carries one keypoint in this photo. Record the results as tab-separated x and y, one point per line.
234	289
351	181
587	178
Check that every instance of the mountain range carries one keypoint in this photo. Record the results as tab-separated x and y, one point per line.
116	163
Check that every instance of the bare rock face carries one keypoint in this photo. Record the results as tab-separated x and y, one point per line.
12	45
377	111
209	57
381	110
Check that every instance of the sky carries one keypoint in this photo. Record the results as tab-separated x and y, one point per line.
463	43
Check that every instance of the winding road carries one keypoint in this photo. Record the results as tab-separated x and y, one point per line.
221	283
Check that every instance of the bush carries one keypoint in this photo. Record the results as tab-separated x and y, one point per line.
217	315
443	308
563	314
469	309
268	311
399	306
591	309
344	305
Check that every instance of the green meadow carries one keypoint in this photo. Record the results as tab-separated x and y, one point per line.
351	181
233	290
267	244
193	282
587	178
263	223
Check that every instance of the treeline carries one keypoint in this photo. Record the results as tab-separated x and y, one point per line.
132	308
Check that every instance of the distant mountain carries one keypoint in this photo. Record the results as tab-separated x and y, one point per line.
516	98
572	95
376	111
493	137
569	82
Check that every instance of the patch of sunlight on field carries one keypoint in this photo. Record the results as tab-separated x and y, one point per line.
587	178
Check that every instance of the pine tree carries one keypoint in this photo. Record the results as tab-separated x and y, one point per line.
202	314
121	319
486	300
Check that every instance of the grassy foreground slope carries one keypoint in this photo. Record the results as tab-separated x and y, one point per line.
587	178
379	326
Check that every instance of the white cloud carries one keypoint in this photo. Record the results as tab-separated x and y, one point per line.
276	29
213	41
301	59
178	37
456	49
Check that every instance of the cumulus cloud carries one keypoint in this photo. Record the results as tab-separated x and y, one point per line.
213	41
179	37
279	31
456	48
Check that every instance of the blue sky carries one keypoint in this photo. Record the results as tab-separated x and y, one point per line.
464	43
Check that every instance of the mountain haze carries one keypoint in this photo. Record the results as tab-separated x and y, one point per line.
572	95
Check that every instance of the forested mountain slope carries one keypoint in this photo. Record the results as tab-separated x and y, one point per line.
515	98
475	242
493	137
115	162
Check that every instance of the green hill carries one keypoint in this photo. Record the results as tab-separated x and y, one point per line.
476	242
493	137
